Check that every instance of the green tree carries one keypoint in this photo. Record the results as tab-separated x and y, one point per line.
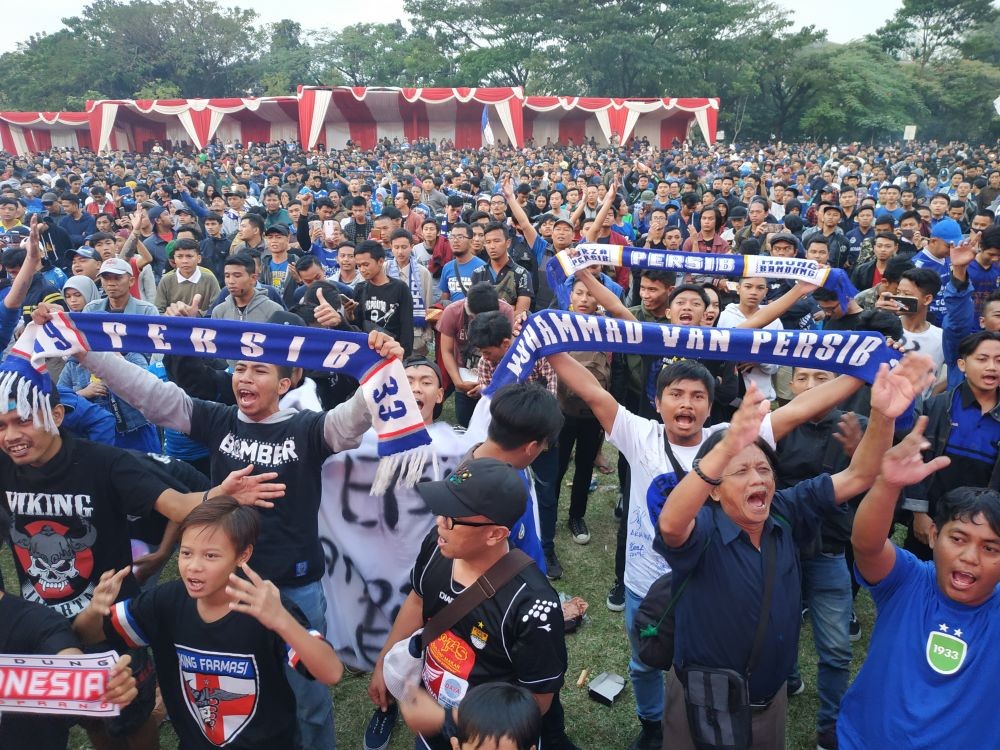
923	30
958	95
860	93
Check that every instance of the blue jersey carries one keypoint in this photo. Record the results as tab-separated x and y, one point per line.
450	282
931	668
524	534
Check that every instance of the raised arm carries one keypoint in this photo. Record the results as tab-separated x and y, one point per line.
773	310
530	234
580	381
900	467
676	520
604	296
19	287
812	404
892	393
595	229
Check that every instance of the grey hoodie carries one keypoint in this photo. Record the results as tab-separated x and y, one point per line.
259	310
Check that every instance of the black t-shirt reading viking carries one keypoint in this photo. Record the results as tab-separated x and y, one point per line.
69	520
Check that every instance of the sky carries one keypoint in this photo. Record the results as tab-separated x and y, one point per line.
21	20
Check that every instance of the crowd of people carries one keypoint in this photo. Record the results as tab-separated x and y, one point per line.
768	493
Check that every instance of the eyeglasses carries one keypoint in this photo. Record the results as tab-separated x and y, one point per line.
450	523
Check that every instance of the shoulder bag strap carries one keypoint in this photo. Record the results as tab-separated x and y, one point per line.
769	550
485	587
458	275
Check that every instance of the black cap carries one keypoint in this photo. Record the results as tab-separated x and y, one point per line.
738	212
480	487
285	318
828	206
276	229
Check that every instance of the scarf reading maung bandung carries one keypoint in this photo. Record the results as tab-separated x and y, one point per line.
402	439
588	254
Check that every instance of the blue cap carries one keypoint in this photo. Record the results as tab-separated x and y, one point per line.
947	230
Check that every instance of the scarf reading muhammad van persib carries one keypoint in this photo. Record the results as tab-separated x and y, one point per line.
395	417
856	353
564	265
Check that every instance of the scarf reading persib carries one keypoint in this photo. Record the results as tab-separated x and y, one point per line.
394	413
564	265
856	353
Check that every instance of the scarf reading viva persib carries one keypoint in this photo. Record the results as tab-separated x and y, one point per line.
856	353
588	254
402	439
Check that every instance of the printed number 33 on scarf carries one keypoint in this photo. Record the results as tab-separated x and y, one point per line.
564	265
403	440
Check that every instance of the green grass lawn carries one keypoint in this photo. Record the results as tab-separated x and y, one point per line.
600	645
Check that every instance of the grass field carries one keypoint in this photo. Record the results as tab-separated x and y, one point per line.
600	645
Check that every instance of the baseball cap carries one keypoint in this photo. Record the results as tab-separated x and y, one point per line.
83	252
564	220
276	229
738	212
116	267
285	318
828	206
480	487
154	213
947	230
787	237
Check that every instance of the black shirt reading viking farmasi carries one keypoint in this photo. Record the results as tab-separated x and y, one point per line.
69	520
516	636
223	682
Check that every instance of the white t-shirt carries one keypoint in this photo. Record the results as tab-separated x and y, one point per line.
641	442
929	342
759	374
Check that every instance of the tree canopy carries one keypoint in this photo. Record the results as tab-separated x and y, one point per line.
934	63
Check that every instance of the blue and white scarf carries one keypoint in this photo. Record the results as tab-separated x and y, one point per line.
563	265
856	353
394	413
419	305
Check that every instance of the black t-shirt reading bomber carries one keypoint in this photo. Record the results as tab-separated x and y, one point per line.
223	682
289	443
70	520
516	636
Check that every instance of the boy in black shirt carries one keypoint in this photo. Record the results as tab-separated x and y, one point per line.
220	641
384	303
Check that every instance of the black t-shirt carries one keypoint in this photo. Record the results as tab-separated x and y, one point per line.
176	474
70	520
516	636
388	307
28	628
289	443
223	682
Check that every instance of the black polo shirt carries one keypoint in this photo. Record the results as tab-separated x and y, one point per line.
718	612
522	280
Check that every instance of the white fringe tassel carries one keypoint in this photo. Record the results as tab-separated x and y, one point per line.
28	399
403	469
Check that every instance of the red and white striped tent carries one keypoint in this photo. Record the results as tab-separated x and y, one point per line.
27	132
138	124
561	119
333	115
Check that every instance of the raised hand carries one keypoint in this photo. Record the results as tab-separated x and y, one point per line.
325	313
385	345
849	433
744	427
964	253
107	590
183	310
256	597
34	244
255	490
894	390
903	464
